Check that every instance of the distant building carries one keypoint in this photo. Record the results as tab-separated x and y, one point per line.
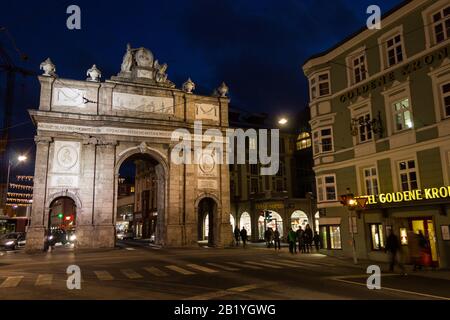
125	205
283	195
380	120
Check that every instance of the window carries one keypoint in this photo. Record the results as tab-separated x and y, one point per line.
377	236
359	68
446	98
253	169
331	237
326	188
364	128
303	141
371	181
323	140
319	85
402	115
408	175
441	25
394	50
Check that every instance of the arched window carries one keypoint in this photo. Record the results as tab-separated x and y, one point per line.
299	219
246	222
275	223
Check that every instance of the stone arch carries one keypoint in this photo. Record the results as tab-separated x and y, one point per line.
162	170
67	194
214	218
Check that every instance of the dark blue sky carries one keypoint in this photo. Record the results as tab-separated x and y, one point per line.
256	47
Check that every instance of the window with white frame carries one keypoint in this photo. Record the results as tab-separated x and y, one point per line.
402	115
445	90
358	66
323	140
394	50
326	188
364	128
319	85
371	180
441	25
408	175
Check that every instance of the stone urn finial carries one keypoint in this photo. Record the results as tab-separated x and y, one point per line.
94	74
223	90
48	67
188	86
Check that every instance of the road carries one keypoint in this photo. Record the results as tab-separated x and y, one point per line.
139	271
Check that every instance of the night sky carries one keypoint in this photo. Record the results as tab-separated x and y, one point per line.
256	47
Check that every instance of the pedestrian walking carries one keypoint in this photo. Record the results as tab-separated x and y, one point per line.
424	248
237	235
299	232
394	249
270	236
292	238
277	241
414	249
316	240
244	237
308	237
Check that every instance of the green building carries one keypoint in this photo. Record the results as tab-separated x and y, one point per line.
380	120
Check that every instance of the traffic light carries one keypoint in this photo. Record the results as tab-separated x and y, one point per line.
268	215
60	215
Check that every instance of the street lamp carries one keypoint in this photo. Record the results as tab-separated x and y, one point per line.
283	121
20	158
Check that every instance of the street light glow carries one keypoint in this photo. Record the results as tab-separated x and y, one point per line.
283	121
22	158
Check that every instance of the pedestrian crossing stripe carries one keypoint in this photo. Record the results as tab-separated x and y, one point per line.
44	280
222	267
242	265
301	263
104	275
130	249
267	265
11	282
284	264
180	270
131	274
201	268
156	272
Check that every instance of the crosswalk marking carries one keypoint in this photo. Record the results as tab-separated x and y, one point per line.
267	265
11	282
156	272
201	268
130	249
222	267
44	280
285	264
301	263
180	270
242	265
131	274
103	275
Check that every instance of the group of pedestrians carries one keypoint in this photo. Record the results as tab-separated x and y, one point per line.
240	235
303	240
273	238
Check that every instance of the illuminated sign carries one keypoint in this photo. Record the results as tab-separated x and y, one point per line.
406	196
269	205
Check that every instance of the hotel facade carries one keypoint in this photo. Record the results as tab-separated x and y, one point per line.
380	120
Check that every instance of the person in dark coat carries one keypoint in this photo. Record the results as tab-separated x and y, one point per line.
276	238
244	236
308	237
394	249
316	240
301	245
237	235
292	238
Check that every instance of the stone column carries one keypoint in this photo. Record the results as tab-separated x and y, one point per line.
36	231
85	215
160	233
104	229
226	233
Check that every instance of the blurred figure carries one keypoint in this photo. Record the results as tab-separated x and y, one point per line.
414	249
308	237
277	241
292	238
425	252
301	243
394	249
316	240
237	235
244	237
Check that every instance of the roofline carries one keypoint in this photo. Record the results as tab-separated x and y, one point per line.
353	35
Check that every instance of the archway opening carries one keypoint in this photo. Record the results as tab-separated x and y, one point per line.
207	214
232	222
275	222
246	222
140	199
299	219
317	221
62	220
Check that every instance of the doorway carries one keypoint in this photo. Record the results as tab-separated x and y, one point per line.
428	230
206	218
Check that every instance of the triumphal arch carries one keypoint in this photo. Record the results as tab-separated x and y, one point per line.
87	129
